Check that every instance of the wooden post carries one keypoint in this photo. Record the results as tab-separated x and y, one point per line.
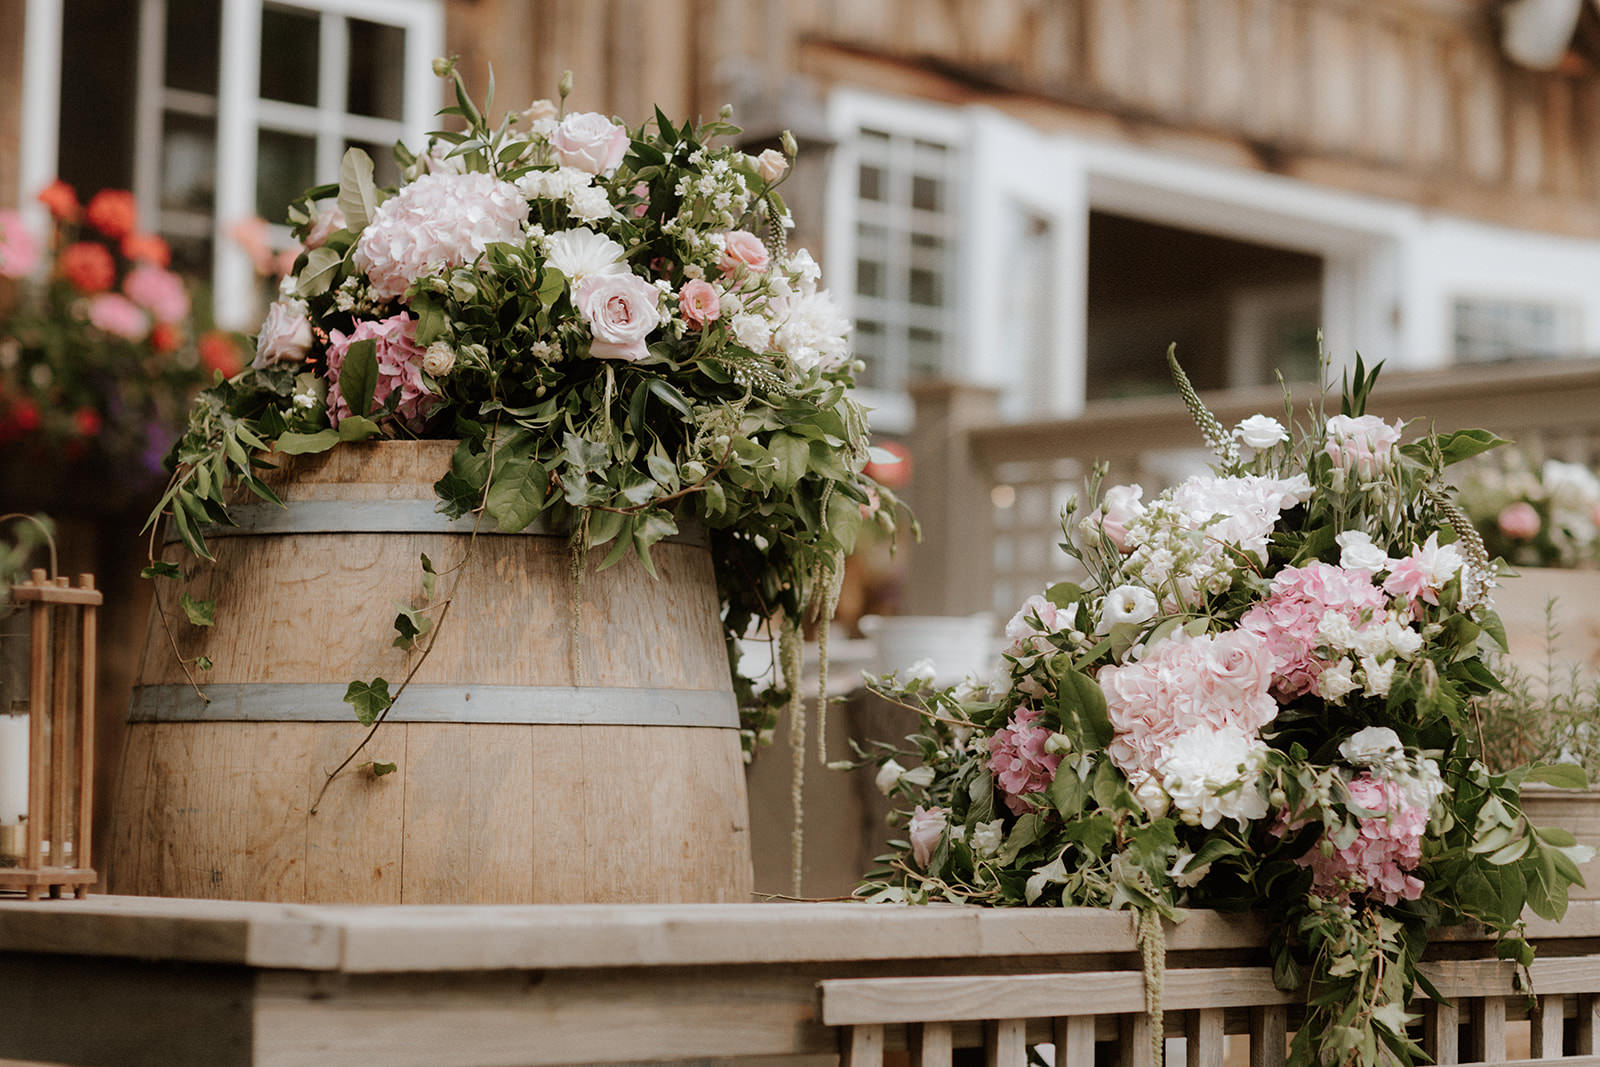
88	639
952	570
38	693
60	730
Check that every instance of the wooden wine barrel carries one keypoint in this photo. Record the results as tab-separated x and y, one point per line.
535	764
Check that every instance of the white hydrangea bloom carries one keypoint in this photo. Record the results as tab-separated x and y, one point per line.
1201	763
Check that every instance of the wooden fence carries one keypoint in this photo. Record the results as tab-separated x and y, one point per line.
989	494
134	981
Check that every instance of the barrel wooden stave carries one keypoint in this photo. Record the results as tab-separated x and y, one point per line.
475	812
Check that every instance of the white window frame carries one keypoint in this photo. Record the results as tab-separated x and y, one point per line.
242	114
38	153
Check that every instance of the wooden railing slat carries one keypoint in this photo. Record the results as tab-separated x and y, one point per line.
1545	1026
863	1047
1488	1029
1005	1043
1442	1032
932	1045
1269	1027
1133	1041
1074	1040
1203	1030
1588	1024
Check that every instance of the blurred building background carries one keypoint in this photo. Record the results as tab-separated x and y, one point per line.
1029	197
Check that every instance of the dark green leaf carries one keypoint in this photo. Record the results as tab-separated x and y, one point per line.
380	768
300	444
358	375
370	699
161	569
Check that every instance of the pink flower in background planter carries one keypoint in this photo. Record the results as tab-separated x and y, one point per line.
589	141
698	303
927	826
741	248
158	291
1388	846
1519	521
118	315
399	368
1018	759
621	309
19	248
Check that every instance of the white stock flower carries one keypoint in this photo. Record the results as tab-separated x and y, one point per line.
1261	432
986	837
1379	676
816	332
1199	766
888	776
923	670
1126	604
583	253
589	204
1358	553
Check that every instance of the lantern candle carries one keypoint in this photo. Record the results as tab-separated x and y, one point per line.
14	731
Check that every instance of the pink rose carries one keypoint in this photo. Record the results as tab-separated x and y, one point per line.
285	335
328	221
926	828
118	315
621	309
590	142
1519	521
742	248
771	165
158	291
19	249
698	303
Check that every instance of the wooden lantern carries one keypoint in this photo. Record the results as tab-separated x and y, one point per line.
54	852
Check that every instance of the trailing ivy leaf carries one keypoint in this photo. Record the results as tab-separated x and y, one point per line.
322	266
200	612
370	699
161	569
358	375
358	194
303	444
380	768
430	577
203	662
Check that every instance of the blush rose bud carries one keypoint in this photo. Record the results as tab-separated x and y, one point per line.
790	148
564	86
442	67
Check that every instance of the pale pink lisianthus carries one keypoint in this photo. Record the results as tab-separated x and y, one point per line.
158	291
1024	636
329	221
1018	759
698	303
19	248
399	369
589	141
1121	505
1519	520
927	826
116	314
1363	445
1287	620
621	310
437	222
741	248
1388	846
1423	574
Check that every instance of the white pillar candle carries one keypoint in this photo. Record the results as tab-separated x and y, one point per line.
14	731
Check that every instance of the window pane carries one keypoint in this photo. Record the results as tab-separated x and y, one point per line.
286	165
188	163
871	183
868	344
193	34
377	66
926	287
927	194
869	277
289	55
385	171
926	351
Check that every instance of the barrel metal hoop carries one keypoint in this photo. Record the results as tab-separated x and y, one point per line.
548	705
379	516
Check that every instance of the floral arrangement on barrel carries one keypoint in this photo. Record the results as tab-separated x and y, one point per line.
1261	699
611	322
1544	516
98	354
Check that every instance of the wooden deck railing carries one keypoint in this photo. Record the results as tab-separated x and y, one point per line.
130	981
989	494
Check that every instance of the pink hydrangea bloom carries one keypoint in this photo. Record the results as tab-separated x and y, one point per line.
1216	680
399	368
19	248
1388	846
1018	759
118	315
438	221
1287	620
158	291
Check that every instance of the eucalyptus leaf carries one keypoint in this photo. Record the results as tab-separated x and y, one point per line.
358	194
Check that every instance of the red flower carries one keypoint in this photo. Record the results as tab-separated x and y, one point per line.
88	266
147	248
87	422
114	213
218	352
61	200
25	416
164	337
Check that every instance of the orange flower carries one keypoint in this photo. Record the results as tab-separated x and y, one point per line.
87	422
164	337
218	352
88	266
114	213
59	197
147	248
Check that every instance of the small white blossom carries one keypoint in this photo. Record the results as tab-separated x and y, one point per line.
1261	432
1379	676
986	837
1358	553
1335	682
1372	746
888	776
1126	604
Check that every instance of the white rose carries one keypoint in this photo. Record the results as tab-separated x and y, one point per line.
1261	432
888	776
927	826
1126	604
1358	553
986	837
751	331
1335	682
771	165
285	335
922	670
438	359
1371	746
582	253
1152	798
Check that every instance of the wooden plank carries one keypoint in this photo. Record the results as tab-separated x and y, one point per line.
1133	1041
1074	1041
1442	1032
1487	1027
1588	1025
931	1045
38	694
849	1001
1269	1035
353	842
61	734
1005	1043
561	812
1545	1026
88	652
1203	1032
130	812
862	1046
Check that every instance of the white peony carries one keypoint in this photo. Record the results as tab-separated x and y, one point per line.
816	332
1201	763
1126	604
582	253
751	331
437	222
1261	432
1358	553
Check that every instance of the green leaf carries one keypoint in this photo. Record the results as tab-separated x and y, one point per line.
380	768
370	699
1464	444
431	321
161	569
790	455
358	195
1561	775
358	376
200	612
357	428
409	625
302	444
203	662
517	494
430	577
322	266
1081	708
